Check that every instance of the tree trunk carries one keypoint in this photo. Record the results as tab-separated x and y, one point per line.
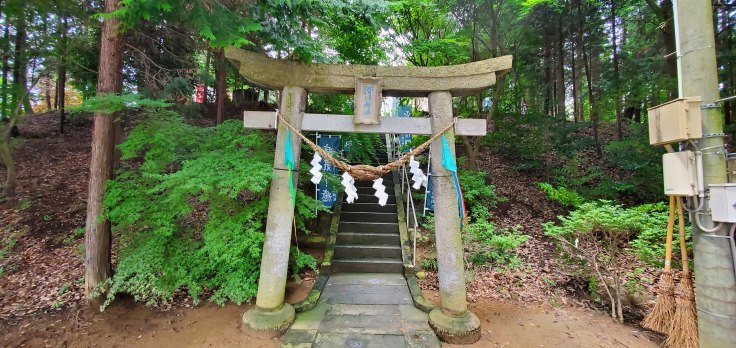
547	78
61	89
206	81
616	78
19	61
98	237
6	71
560	71
589	79
497	90
47	94
573	63
220	71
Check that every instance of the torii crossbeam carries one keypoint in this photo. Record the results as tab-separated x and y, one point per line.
452	321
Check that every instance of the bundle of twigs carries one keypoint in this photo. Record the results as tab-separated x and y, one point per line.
660	318
684	330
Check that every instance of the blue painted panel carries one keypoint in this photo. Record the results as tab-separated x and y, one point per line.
325	191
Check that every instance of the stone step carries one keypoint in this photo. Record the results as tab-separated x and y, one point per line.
351	252
368	227
368	266
368	217
369	190
368	207
388	181
352	238
371	199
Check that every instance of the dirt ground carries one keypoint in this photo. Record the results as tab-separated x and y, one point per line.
41	288
128	324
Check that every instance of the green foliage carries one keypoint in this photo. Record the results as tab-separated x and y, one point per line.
73	235
221	23
110	103
299	261
489	246
190	207
561	195
642	163
643	227
476	190
521	138
429	263
362	147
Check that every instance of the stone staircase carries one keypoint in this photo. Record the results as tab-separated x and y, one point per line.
368	235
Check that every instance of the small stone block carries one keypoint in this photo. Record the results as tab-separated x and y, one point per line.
344	309
368	324
421	339
299	338
354	340
310	319
367	278
412	314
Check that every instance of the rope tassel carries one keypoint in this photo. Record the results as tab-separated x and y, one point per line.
418	175
316	169
364	172
350	189
380	191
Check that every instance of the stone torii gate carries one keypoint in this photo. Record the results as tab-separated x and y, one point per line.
452	321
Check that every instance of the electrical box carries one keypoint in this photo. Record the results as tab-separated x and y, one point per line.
680	174
723	202
731	169
675	121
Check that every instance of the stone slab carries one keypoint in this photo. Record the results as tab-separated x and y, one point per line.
411	314
366	299
355	340
367	279
401	81
346	309
373	324
298	338
421	339
344	123
310	320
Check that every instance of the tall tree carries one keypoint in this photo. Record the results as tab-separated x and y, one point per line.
220	87
98	235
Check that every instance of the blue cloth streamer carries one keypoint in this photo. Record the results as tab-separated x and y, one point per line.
449	163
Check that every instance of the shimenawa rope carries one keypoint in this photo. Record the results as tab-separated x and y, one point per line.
364	172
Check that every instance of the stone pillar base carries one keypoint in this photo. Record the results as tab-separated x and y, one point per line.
464	329
263	323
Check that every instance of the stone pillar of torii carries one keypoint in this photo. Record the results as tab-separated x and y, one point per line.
453	322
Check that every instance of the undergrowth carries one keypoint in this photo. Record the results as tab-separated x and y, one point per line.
190	206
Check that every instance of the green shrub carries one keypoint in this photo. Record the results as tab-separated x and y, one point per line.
596	238
561	195
641	164
522	138
190	206
488	245
476	190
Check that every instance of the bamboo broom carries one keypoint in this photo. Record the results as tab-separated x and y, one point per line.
660	318
684	330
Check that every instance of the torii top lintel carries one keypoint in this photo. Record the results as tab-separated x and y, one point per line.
397	81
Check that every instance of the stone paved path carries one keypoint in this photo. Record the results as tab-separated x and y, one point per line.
358	310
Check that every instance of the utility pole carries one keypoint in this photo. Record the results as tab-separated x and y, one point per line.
715	285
